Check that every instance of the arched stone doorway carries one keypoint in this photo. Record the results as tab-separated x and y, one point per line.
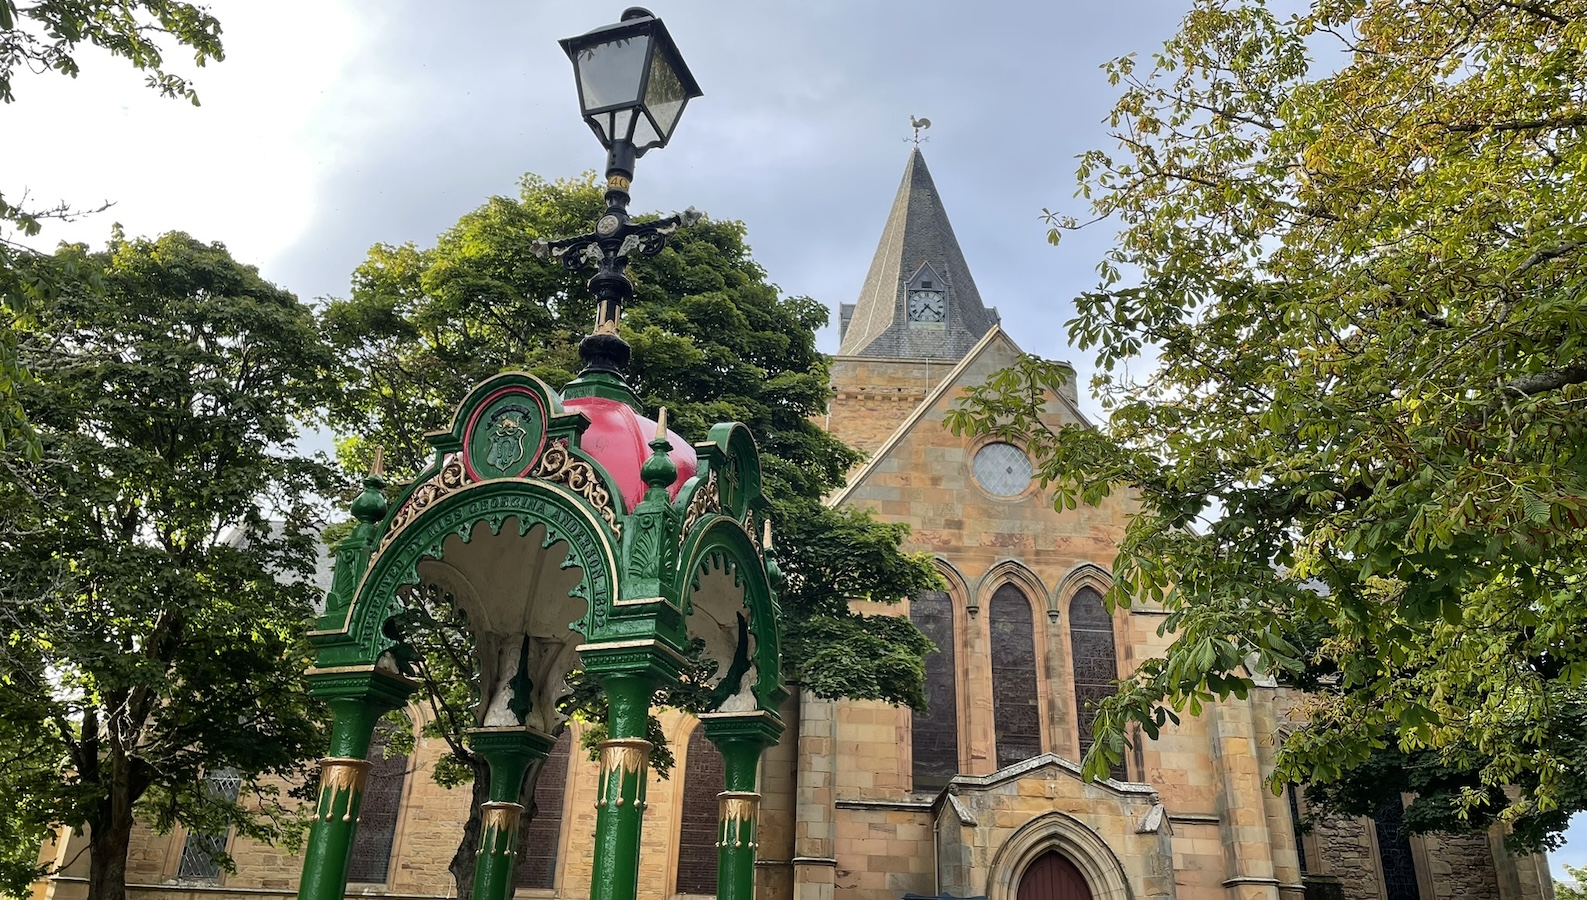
1052	876
1055	835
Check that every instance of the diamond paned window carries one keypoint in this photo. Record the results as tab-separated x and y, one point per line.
1014	695
370	860
1002	469
201	851
703	779
1394	852
537	846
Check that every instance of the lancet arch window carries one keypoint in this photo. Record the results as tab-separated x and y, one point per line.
1016	712
382	805
703	780
539	841
934	733
1395	856
1096	665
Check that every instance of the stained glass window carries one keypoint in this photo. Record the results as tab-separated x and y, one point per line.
538	841
1096	664
1300	829
703	779
934	742
1394	851
1015	712
377	815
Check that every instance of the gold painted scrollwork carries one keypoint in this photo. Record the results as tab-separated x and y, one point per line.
451	478
752	526
559	464
705	500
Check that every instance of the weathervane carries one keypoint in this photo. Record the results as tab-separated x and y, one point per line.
919	125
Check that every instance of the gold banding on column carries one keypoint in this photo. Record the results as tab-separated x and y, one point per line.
624	758
737	818
341	775
498	827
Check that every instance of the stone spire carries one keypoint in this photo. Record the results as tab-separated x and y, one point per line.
918	264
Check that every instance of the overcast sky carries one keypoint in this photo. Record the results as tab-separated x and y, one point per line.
333	125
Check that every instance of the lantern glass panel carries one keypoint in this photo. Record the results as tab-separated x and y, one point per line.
613	72
620	125
664	95
645	136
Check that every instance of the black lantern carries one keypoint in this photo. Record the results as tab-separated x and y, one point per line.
633	84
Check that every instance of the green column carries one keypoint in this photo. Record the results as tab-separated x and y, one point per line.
740	737
342	772
511	752
620	798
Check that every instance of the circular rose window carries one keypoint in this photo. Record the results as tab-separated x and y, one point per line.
1002	469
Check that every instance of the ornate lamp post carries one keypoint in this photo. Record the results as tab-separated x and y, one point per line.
633	86
640	554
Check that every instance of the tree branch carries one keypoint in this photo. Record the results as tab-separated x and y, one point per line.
1576	121
1543	382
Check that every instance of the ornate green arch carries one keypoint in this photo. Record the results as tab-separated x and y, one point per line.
531	503
720	544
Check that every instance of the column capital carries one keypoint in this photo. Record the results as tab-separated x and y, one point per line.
648	657
510	751
761	727
367	684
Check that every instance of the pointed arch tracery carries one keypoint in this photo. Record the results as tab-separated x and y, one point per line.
1095	657
1016	710
934	733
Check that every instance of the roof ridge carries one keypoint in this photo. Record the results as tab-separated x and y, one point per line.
920	410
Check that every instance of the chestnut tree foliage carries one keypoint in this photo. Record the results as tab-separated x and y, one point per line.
45	36
712	341
154	557
1340	342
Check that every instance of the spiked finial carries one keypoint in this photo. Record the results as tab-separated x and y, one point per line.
659	470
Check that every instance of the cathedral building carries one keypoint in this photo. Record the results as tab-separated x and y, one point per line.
979	796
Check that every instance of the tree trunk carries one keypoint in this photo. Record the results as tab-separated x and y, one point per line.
109	838
462	865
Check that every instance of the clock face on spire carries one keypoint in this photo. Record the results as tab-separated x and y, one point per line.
926	306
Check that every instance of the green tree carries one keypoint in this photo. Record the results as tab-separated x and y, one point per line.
1340	340
712	342
1573	889
151	555
45	36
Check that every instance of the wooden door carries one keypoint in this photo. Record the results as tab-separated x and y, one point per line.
1053	877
